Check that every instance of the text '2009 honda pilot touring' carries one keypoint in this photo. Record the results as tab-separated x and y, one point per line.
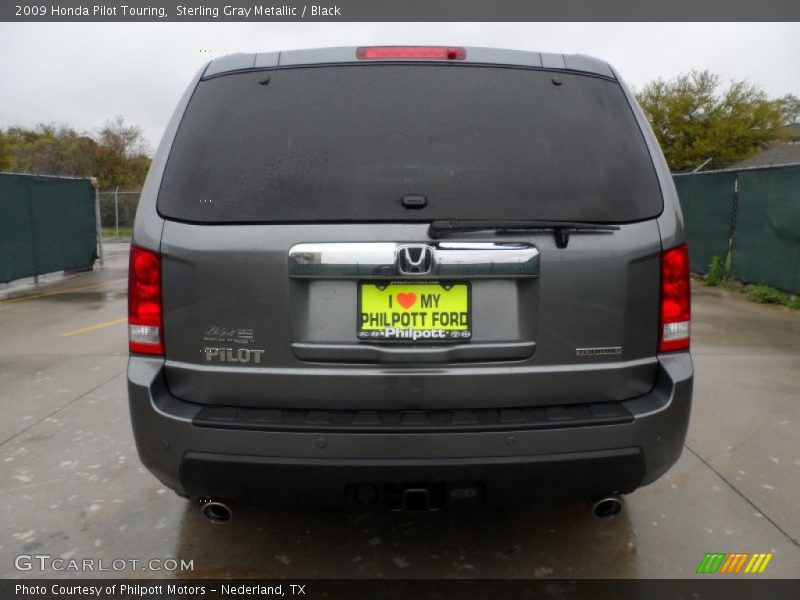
408	277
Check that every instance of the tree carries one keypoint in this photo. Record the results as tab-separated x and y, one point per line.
790	105
694	119
50	150
125	141
5	153
121	155
116	155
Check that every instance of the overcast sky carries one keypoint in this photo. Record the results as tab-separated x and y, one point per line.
85	74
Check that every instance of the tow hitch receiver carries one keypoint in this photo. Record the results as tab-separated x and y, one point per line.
428	497
416	500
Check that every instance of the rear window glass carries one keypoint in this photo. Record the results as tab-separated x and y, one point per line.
345	143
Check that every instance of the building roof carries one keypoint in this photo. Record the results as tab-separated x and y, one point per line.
777	154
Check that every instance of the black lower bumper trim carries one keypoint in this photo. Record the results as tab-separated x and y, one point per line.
333	482
408	421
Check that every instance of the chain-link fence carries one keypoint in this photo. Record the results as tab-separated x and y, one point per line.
117	211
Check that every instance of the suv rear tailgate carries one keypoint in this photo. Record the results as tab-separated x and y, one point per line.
583	330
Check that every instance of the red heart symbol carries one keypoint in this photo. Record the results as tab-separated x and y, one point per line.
406	300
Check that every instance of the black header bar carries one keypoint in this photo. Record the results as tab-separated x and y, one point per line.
397	10
707	588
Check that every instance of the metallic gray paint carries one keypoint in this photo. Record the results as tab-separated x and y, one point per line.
670	222
164	432
601	291
148	223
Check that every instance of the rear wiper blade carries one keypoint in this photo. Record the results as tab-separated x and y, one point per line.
561	229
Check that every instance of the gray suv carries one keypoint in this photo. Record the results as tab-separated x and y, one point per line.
408	277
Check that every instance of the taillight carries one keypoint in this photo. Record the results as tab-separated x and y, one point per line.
145	323
675	300
410	52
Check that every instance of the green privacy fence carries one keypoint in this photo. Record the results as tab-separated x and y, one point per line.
707	202
766	239
755	213
46	224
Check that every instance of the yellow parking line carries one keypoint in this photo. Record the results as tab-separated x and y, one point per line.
93	327
64	291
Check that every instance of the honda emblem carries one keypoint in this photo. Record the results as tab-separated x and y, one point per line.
414	259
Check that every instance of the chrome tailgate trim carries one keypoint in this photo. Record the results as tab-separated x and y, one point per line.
444	260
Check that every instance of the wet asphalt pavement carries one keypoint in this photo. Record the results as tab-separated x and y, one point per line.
72	486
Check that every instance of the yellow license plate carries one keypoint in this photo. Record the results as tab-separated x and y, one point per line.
424	311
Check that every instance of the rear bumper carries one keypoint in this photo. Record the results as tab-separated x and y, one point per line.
529	460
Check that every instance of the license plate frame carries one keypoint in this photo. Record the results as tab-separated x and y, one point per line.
437	332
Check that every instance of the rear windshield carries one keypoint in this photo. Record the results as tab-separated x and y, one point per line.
345	143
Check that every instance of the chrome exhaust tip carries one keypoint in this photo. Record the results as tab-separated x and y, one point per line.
217	512
606	507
